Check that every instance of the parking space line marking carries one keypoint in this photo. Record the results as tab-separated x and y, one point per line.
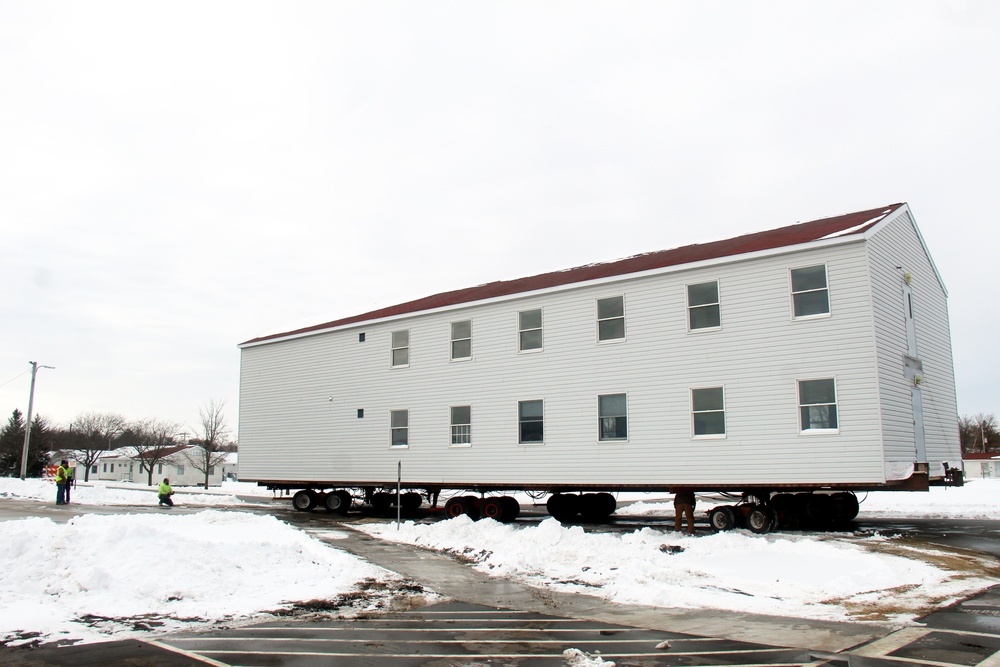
888	644
180	651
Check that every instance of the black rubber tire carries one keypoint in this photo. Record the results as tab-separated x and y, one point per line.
608	504
563	507
410	502
845	507
305	501
381	501
511	508
334	502
493	508
819	510
760	520
722	518
591	508
785	509
456	507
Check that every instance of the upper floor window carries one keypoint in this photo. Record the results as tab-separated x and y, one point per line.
703	306
401	348
810	295
399	428
461	340
612	412
611	318
818	405
529	330
461	425
708	412
529	419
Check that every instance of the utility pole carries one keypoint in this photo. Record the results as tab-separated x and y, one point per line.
27	425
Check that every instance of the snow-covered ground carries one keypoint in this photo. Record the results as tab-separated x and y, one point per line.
96	576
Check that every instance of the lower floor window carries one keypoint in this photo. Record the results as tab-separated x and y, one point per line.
612	410
708	411
461	425
529	418
399	427
818	405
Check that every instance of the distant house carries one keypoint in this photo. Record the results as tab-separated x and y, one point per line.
981	465
175	463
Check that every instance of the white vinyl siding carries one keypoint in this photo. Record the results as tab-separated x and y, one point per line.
297	396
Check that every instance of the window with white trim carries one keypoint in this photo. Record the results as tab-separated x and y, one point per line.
529	330
708	412
401	348
399	428
810	295
611	318
612	413
180	469
461	340
818	405
461	425
530	417
703	306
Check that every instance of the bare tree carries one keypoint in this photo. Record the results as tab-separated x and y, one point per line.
94	432
213	432
153	441
979	433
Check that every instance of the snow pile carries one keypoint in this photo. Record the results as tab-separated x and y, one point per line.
101	575
121	493
826	577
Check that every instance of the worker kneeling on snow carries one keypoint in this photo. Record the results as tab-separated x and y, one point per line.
166	492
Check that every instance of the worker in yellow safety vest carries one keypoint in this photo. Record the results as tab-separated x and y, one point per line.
62	481
165	492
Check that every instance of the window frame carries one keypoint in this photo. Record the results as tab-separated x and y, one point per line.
792	293
521	421
601	417
393	429
725	426
452	424
521	330
717	305
453	340
393	348
800	405
597	308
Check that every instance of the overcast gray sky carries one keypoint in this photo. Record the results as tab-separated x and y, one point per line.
179	177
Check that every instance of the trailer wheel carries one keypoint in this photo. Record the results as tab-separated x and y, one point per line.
845	507
722	518
608	504
410	502
563	507
493	508
381	501
819	510
305	500
338	501
590	508
760	519
785	510
456	507
511	508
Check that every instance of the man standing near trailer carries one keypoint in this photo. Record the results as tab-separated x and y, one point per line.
684	502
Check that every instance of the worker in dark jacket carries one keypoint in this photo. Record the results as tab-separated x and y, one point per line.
684	502
165	492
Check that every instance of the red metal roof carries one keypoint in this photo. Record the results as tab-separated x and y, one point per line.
803	232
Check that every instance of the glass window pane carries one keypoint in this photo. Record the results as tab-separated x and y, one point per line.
400	338
401	357
461	330
461	349
611	329
461	414
399	437
612	405
811	303
710	423
611	307
531	431
704	293
530	319
809	278
531	340
817	391
819	417
529	409
705	317
399	418
707	399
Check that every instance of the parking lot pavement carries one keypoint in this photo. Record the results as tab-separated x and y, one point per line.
463	634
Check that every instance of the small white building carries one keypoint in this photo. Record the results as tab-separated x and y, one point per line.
177	464
812	356
982	465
